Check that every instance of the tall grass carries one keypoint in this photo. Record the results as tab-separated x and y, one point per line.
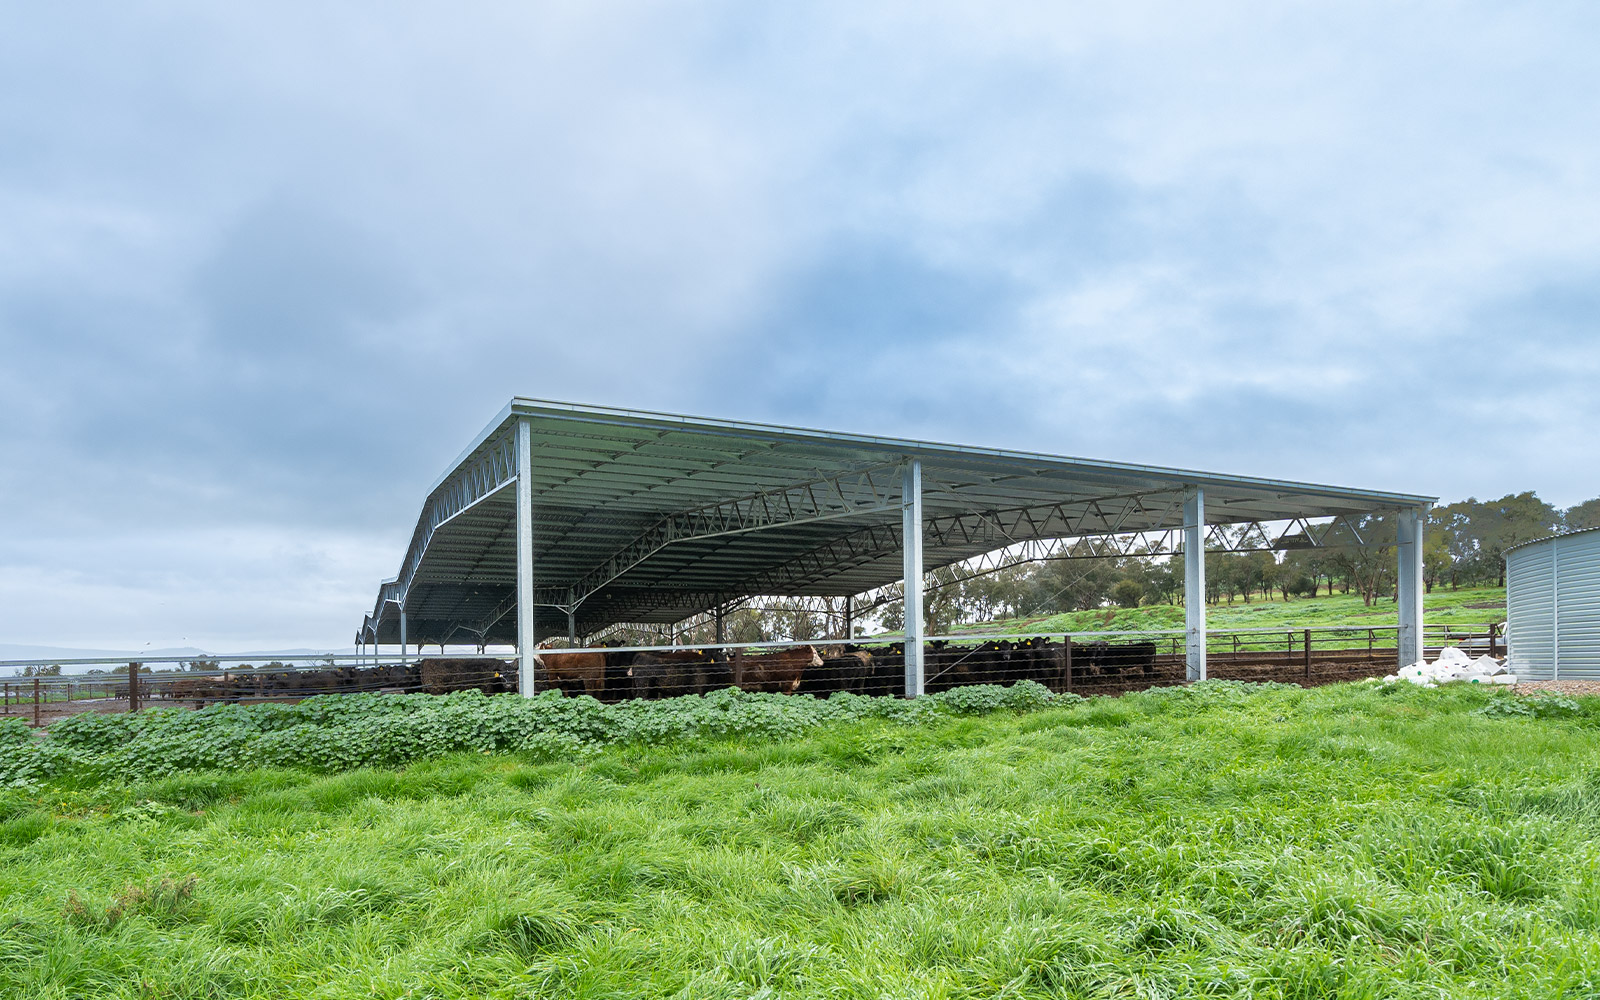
1221	840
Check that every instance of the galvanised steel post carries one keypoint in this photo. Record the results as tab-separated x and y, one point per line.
526	639
911	535
1194	582
402	629
1409	536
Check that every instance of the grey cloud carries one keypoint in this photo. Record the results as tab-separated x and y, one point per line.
263	272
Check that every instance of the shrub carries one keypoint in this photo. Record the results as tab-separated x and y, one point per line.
1547	707
339	732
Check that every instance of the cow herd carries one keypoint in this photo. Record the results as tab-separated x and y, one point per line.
859	669
615	675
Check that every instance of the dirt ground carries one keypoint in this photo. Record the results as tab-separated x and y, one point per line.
51	711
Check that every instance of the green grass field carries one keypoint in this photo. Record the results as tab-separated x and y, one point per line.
1220	840
1477	606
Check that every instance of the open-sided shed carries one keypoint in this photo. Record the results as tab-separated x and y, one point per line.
562	519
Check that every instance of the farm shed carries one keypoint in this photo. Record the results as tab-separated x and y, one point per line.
1553	607
563	519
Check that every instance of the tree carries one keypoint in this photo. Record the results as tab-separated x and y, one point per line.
1257	570
1309	563
1160	580
1584	515
942	605
1513	519
1436	561
1127	592
53	670
1365	557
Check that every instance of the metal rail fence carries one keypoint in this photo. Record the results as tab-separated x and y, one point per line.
1106	661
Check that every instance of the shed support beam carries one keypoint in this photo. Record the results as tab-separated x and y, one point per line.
911	534
526	639
1409	598
1194	583
402	631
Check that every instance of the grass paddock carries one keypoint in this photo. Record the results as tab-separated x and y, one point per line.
1223	840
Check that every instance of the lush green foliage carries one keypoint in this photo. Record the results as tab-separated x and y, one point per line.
1221	840
341	732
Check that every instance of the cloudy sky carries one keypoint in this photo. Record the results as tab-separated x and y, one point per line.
265	269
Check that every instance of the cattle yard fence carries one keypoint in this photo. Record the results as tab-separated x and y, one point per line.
1087	662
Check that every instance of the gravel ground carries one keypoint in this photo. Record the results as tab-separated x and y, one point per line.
1589	689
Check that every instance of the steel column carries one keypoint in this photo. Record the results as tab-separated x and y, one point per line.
1194	582
402	631
526	639
911	542
1409	597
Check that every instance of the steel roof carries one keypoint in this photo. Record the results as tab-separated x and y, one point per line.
651	517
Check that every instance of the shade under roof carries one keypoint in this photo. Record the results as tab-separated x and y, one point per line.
652	517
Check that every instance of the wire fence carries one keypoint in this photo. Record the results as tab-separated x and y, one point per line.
1086	662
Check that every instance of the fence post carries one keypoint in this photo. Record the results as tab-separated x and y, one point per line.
1306	651
36	703
1066	662
133	687
1494	637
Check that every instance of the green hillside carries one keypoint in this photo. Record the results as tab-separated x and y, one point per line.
1474	606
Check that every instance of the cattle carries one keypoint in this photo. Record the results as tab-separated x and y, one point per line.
664	674
943	668
618	685
200	690
491	676
887	675
1038	659
1134	659
571	669
849	671
1128	659
779	673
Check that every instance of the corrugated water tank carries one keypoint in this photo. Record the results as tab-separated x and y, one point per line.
1553	607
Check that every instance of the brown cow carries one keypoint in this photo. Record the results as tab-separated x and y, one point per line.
779	673
586	668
